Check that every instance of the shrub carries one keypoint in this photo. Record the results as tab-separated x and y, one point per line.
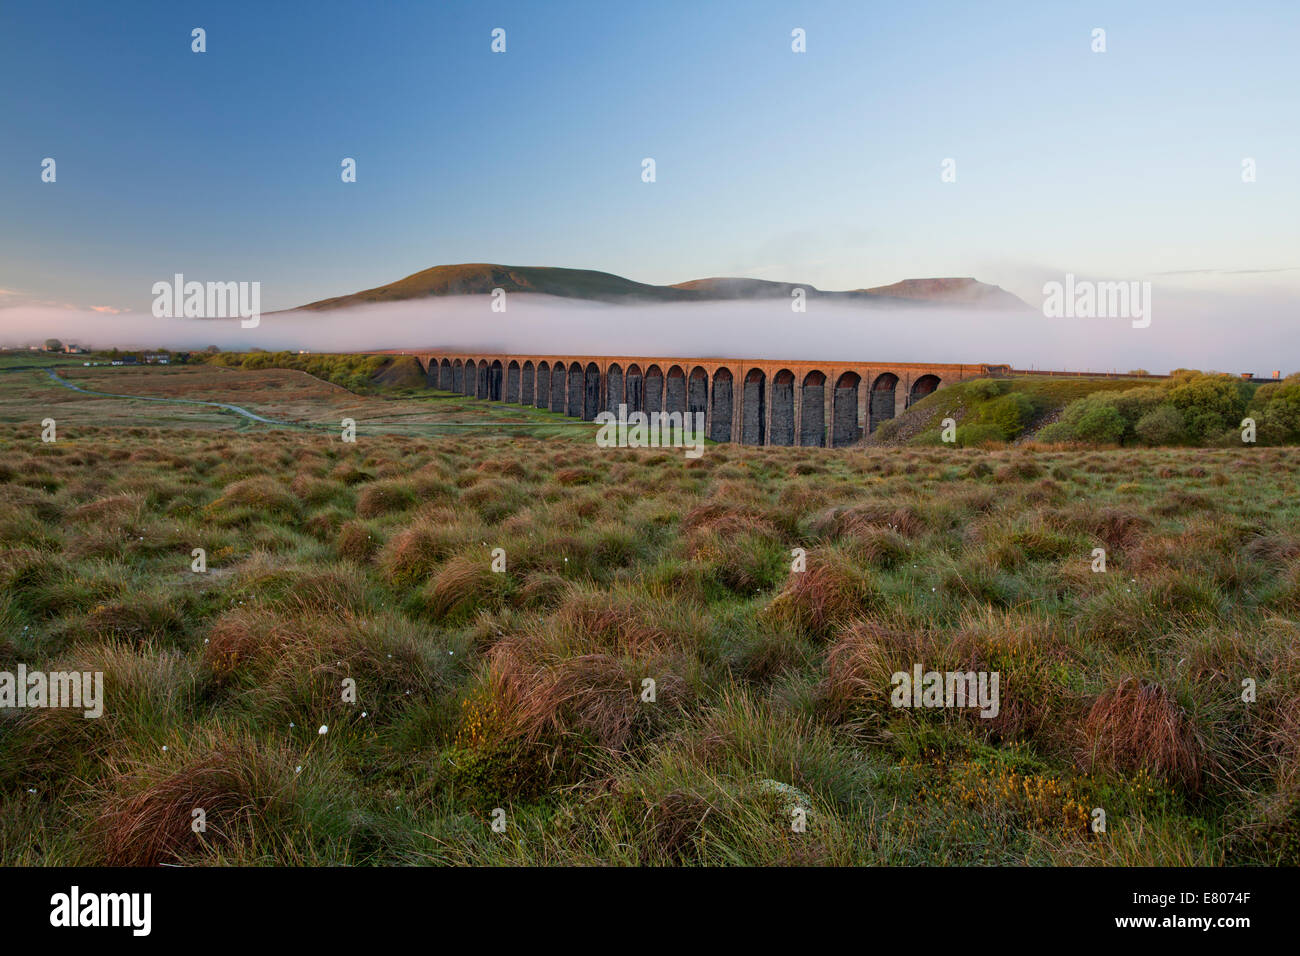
1008	414
1055	432
987	388
1093	419
969	436
1210	404
1162	425
1279	405
1133	403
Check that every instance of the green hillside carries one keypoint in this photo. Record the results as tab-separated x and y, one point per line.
480	278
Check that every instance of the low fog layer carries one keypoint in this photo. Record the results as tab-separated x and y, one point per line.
1233	333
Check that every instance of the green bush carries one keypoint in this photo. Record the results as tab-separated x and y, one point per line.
1264	395
1094	419
1056	432
1163	425
1211	404
887	429
353	372
1278	405
984	389
1007	414
1135	403
978	434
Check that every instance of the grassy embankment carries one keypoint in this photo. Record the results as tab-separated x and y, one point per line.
1189	408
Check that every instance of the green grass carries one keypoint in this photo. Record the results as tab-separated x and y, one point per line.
522	690
962	401
1186	408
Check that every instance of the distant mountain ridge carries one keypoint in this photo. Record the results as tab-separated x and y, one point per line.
480	278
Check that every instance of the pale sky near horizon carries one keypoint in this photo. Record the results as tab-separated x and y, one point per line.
820	167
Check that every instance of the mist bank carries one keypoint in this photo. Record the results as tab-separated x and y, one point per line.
1226	332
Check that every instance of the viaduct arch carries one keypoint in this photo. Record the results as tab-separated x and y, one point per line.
747	401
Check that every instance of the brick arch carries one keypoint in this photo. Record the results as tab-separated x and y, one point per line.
527	376
922	387
494	376
591	392
882	399
635	385
559	381
844	414
720	407
613	387
753	408
812	420
444	376
512	382
542	396
782	430
458	377
471	378
575	389
654	389
675	390
697	391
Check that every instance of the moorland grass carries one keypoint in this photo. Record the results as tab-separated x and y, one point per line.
527	689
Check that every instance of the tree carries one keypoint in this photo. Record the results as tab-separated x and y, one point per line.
1133	403
1279	404
1210	404
53	345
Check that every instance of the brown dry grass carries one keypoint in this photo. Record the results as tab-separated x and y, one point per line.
1137	724
148	818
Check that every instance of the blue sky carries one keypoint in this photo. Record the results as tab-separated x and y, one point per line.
822	167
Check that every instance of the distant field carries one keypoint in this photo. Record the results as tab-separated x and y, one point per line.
524	690
28	396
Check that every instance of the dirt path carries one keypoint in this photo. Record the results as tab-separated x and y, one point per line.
181	401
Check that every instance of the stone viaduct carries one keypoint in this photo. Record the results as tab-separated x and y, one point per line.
750	401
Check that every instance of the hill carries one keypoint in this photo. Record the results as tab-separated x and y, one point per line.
480	278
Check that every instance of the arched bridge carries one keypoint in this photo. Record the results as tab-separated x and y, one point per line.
754	402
